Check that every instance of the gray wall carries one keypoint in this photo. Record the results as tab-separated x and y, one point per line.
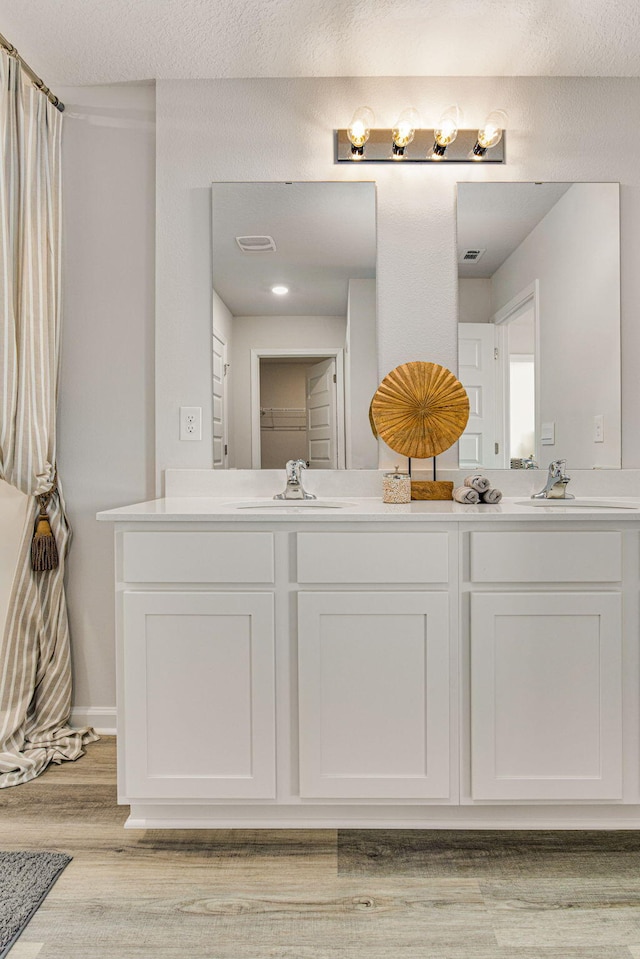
556	131
106	411
282	130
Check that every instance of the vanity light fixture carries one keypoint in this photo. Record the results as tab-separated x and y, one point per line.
280	290
446	131
359	131
446	142
490	133
404	130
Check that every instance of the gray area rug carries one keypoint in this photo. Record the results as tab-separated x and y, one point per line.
25	880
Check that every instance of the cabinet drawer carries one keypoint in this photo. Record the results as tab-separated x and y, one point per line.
546	557
197	557
373	558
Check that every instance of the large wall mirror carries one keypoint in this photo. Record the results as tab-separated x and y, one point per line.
294	324
539	323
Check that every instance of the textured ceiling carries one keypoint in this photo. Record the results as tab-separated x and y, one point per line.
325	234
497	217
88	42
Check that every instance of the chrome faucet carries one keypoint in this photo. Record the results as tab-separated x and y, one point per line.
556	485
294	488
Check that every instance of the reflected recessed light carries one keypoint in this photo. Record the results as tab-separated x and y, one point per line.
280	290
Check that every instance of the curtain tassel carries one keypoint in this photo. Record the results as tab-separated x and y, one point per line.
44	552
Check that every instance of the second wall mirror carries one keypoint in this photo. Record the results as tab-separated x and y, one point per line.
294	324
539	324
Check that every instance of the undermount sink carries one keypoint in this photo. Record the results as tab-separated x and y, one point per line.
280	504
580	503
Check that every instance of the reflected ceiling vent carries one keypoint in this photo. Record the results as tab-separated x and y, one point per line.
471	256
256	244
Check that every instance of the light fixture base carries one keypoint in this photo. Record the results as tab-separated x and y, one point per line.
420	150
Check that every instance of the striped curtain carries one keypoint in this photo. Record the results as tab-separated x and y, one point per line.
35	666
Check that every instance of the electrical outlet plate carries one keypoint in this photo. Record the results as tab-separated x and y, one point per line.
191	423
598	428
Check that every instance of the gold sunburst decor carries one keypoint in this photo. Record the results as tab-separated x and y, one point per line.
371	422
420	409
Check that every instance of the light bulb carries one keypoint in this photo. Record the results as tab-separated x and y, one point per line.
446	130
359	130
490	133
280	290
404	130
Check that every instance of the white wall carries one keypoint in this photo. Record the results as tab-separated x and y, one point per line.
270	332
361	373
521	332
106	413
556	128
579	331
474	300
282	130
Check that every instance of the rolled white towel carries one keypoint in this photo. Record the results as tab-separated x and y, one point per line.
477	482
491	496
463	494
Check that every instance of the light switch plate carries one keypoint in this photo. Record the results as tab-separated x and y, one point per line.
548	434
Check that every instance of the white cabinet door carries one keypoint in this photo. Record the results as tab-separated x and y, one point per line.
546	696
374	695
199	714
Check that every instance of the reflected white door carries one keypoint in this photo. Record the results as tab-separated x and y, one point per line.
322	415
220	448
477	373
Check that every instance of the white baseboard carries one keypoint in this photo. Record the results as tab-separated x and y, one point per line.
102	718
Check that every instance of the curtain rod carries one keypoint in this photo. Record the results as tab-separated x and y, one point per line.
51	97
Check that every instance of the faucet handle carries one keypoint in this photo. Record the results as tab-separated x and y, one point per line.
295	489
556	468
293	468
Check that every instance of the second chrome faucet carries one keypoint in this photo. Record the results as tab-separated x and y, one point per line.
556	485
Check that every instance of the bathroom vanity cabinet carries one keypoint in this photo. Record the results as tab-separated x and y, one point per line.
374	667
545	664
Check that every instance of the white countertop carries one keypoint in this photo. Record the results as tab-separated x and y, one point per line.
361	509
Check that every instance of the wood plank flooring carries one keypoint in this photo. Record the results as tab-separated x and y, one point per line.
355	894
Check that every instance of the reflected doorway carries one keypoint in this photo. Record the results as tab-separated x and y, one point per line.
297	408
498	365
518	371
